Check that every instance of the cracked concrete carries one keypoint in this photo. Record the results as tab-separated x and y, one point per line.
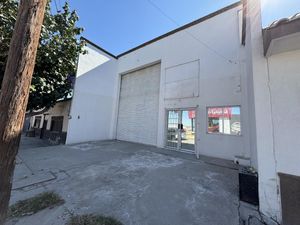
137	184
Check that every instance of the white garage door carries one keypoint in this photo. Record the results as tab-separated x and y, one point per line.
138	106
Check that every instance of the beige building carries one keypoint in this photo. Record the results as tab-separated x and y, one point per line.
53	124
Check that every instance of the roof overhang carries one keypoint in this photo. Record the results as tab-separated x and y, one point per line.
282	37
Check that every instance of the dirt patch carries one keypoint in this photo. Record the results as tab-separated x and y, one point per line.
33	205
93	220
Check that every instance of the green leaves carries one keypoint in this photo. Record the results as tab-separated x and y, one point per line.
57	54
8	14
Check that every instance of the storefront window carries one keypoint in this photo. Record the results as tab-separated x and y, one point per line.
224	120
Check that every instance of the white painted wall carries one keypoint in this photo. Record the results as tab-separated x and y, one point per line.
257	69
94	97
284	75
211	81
276	89
284	89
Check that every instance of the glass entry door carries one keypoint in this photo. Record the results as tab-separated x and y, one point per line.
181	129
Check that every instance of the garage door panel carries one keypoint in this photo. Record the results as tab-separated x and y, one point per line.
138	106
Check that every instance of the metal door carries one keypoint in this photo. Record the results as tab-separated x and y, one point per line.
138	106
181	129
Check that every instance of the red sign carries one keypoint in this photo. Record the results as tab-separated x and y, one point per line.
219	112
192	114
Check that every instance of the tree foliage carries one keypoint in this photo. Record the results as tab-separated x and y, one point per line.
8	14
57	54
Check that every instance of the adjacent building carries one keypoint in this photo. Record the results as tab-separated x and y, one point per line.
52	125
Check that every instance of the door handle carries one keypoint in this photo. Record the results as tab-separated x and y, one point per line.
180	126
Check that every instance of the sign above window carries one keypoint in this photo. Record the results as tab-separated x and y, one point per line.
220	112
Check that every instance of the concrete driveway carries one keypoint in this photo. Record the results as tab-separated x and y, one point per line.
137	184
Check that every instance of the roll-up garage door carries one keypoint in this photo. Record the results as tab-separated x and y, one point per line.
138	106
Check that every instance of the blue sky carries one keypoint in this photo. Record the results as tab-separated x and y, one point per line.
119	25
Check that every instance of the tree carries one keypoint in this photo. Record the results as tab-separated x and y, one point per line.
57	54
15	90
8	12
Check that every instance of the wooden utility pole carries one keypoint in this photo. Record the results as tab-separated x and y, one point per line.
15	90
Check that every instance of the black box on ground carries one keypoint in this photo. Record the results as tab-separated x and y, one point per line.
248	185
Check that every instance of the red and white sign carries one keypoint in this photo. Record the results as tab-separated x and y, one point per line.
219	112
192	114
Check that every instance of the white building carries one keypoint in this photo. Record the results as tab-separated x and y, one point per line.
211	87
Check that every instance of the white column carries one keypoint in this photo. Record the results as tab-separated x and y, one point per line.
268	179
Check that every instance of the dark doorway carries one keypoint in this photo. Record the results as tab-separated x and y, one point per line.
57	123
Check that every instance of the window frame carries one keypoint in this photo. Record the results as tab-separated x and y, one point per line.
219	133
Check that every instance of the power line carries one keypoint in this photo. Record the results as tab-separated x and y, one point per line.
56	5
59	4
163	13
189	33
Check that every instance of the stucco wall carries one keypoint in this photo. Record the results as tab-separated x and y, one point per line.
277	85
284	75
94	97
283	87
262	107
60	109
214	81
